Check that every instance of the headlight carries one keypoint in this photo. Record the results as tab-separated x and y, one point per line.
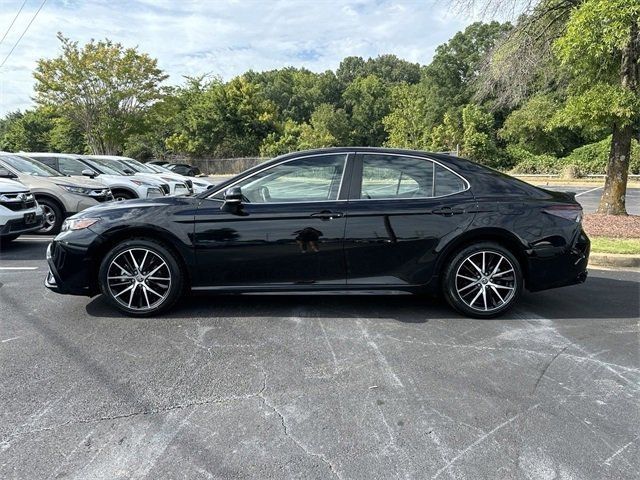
138	182
75	189
78	223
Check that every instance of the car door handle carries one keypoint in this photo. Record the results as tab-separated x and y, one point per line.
447	211
327	215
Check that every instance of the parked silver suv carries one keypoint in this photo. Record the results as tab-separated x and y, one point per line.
60	196
123	186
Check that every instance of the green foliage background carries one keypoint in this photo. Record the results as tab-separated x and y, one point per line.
560	121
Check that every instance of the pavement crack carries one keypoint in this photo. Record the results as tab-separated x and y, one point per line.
5	443
267	403
544	370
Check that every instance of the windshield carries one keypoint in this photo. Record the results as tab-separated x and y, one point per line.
30	166
106	166
140	167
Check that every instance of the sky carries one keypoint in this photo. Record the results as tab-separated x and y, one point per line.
223	37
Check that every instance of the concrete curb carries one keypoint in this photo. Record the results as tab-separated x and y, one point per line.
614	260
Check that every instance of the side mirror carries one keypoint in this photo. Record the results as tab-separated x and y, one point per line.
87	172
233	195
128	172
4	173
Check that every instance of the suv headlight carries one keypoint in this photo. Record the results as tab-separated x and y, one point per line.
76	189
140	182
78	223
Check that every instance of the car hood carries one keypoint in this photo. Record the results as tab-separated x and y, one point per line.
11	186
135	204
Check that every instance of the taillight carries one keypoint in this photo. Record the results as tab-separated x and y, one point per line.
572	213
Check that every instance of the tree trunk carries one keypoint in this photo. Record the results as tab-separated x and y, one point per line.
615	187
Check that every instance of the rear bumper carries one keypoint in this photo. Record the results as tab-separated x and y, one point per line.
558	267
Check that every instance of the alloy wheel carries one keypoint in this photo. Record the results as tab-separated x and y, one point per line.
486	281
139	279
49	216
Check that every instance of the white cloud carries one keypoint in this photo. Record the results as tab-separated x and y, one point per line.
224	37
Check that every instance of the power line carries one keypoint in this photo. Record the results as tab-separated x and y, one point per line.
23	33
13	21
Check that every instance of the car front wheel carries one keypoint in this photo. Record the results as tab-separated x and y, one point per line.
141	277
483	280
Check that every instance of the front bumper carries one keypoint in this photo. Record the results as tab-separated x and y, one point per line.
18	225
559	267
72	269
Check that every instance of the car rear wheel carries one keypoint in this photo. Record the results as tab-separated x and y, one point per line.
483	280
52	216
141	277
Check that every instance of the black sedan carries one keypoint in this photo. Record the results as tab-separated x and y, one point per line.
357	219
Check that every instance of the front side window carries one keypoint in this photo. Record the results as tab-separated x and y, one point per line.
310	179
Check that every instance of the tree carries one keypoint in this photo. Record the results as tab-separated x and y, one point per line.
367	103
329	127
408	125
388	68
28	131
589	49
456	64
601	50
531	127
478	141
297	92
103	87
449	135
284	141
224	120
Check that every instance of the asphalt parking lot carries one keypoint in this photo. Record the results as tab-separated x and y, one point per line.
317	386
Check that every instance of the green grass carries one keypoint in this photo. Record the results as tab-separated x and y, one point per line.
630	246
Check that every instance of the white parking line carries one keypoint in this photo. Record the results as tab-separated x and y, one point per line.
18	268
42	239
589	191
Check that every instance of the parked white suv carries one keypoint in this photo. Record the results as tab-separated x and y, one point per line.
177	184
58	195
19	211
123	186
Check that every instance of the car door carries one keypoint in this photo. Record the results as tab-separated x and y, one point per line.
401	210
288	230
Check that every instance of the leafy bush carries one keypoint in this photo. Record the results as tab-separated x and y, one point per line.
592	159
526	162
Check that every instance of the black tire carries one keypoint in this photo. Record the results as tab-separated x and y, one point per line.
113	291
500	292
121	195
54	217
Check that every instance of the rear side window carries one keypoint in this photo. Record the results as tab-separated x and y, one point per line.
390	176
397	177
447	182
71	166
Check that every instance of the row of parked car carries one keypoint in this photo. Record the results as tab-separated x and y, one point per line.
39	190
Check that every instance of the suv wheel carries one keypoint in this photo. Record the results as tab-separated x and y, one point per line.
120	196
141	277
53	217
482	280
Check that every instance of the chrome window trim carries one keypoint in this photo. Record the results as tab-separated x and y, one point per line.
344	171
348	154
